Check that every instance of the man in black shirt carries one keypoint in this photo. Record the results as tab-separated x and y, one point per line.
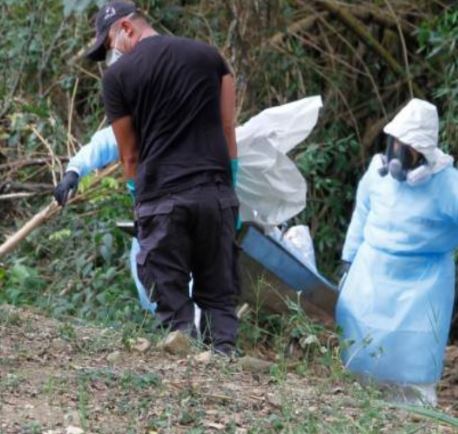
171	103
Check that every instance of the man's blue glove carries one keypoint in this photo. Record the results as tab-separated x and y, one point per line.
131	187
66	187
234	173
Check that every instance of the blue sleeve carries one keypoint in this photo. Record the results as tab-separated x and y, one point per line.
98	153
355	233
447	194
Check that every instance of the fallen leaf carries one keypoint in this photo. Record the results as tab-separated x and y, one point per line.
176	343
141	345
204	357
74	430
213	425
114	356
253	364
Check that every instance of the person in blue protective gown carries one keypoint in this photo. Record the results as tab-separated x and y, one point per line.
396	302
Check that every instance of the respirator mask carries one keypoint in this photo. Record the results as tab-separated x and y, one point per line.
402	164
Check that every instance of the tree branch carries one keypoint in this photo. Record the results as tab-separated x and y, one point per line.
357	27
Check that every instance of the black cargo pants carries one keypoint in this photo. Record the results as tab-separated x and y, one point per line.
192	231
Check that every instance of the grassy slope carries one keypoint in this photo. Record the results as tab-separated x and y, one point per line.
56	374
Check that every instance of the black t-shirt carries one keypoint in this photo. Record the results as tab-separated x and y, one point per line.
171	87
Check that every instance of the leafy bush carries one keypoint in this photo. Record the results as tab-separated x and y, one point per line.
439	42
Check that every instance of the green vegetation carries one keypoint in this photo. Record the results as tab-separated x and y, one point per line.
59	382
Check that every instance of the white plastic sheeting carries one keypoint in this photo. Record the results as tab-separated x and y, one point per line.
271	189
301	241
297	241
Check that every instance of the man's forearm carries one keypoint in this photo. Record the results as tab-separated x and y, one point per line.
228	113
129	164
127	141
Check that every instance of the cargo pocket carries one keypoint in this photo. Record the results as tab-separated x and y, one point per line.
230	210
154	227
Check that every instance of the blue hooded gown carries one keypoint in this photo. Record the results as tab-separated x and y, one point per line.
396	303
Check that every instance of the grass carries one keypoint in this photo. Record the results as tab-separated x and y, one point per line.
428	413
83	402
306	390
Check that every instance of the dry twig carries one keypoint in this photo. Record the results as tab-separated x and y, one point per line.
54	159
47	213
353	23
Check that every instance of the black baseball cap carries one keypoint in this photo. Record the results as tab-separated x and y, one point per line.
106	16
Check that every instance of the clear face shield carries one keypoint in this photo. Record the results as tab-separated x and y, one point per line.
400	160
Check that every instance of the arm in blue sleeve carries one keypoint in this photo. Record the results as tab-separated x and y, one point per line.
447	194
98	153
355	233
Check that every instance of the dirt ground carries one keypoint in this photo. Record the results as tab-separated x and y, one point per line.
59	377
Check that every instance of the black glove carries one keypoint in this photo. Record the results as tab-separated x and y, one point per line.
343	272
344	267
68	185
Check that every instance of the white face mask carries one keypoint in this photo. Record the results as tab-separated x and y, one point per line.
112	56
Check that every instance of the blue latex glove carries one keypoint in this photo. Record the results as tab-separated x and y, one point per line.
130	184
234	173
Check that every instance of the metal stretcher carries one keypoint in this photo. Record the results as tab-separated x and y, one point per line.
271	276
